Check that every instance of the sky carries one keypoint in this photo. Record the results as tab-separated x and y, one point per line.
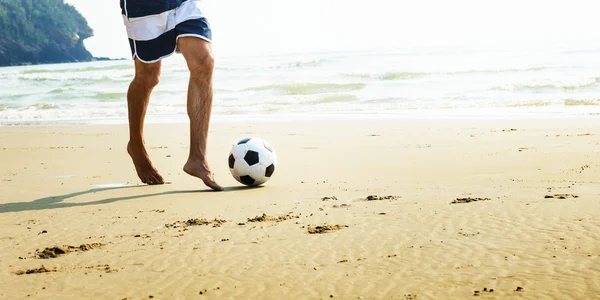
272	26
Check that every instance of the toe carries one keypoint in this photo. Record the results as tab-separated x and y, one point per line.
160	179
154	180
213	185
151	179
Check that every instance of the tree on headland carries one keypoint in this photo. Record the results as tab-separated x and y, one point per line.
41	31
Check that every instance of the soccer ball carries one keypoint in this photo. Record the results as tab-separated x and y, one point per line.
252	161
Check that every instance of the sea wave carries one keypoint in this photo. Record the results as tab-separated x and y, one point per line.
552	86
60	90
412	75
576	102
44	106
389	75
73	78
110	96
337	98
493	71
534	103
308	88
269	65
299	64
78	70
382	100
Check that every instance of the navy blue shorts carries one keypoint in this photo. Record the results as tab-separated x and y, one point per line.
153	26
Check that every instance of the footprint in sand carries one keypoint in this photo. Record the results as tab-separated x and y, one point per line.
561	196
266	218
379	198
196	222
341	205
469	200
103	268
333	198
56	251
39	270
325	228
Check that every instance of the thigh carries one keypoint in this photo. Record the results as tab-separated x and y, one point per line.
196	51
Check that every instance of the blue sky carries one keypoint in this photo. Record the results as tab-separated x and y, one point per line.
242	26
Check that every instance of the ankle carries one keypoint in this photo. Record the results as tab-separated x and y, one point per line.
135	142
136	147
197	162
197	157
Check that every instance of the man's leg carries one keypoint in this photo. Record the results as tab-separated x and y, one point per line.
198	55
138	97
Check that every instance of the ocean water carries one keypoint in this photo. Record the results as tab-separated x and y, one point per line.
394	83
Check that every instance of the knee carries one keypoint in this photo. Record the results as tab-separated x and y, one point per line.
148	77
202	64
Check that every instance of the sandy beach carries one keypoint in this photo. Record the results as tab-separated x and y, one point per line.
370	209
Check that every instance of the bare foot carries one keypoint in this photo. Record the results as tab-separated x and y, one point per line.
202	171
143	166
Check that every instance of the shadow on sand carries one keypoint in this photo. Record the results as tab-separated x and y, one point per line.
57	201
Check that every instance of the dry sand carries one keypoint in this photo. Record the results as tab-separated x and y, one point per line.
474	211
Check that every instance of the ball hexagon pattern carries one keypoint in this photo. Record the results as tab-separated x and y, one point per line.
252	161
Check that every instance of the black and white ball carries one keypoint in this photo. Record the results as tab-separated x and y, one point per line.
252	161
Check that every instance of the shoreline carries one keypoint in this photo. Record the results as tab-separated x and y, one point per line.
433	115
